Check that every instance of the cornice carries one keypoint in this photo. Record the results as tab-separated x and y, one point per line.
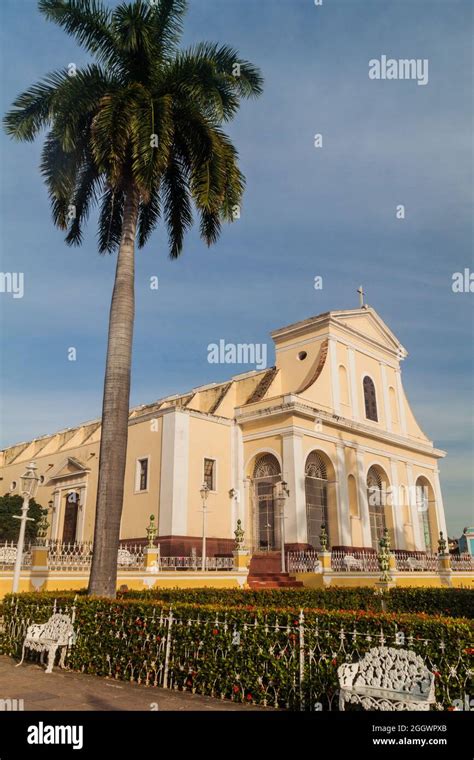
291	403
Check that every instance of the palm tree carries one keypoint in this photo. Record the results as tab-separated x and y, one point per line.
138	132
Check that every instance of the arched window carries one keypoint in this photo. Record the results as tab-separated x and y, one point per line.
370	399
316	489
393	405
344	386
375	499
423	510
266	474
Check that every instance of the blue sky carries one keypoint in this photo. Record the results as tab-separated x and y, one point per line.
306	212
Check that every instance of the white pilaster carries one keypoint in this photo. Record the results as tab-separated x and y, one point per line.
441	517
56	514
336	392
397	507
363	501
342	496
353	382
81	513
386	400
237	511
401	402
415	518
173	516
293	472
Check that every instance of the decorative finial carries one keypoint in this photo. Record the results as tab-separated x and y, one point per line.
151	532
360	291
442	544
384	556
239	535
323	538
42	528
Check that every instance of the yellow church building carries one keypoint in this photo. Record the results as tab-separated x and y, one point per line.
328	432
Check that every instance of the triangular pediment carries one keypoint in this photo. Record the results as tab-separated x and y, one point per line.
69	467
366	324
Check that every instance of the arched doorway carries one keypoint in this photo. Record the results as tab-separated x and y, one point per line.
266	475
376	498
70	517
318	479
426	510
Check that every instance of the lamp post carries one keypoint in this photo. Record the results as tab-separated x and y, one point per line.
284	492
29	483
204	492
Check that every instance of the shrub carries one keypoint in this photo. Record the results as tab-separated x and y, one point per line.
129	639
453	602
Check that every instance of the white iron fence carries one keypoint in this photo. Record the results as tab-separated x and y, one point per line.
358	561
77	556
8	556
278	660
462	562
364	561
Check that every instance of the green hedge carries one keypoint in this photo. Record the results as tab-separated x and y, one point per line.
452	602
127	639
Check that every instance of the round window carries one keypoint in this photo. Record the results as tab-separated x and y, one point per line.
302	355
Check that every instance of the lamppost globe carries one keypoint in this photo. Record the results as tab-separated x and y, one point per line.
29	481
204	491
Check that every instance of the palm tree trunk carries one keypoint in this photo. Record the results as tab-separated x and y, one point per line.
115	411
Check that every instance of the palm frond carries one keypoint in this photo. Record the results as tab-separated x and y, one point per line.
167	22
34	108
210	226
176	204
110	220
89	21
152	138
86	191
148	217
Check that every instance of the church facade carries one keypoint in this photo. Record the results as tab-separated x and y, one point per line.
326	437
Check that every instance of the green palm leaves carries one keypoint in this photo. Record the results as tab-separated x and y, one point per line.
143	115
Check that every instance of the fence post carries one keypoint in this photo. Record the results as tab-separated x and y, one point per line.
301	658
168	649
39	569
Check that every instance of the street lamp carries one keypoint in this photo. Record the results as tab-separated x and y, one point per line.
284	492
29	483
204	492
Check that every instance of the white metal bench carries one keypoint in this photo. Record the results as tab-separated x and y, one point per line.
57	633
352	563
415	564
125	557
387	679
8	555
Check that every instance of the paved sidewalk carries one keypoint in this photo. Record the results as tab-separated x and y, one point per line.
64	690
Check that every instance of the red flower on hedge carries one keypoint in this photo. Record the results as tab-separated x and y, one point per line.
334	661
215	631
249	697
235	689
436	673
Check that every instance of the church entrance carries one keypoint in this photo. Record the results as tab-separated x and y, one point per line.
266	524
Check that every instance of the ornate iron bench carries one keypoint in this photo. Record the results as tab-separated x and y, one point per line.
415	564
57	633
352	562
387	679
